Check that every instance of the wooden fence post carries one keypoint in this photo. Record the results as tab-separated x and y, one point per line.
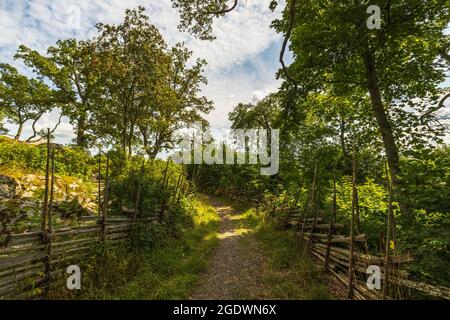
388	233
393	228
105	200
332	219
47	170
50	219
165	183
47	227
166	175
358	220
316	213
138	197
310	200
352	227
99	182
293	206
181	190
177	187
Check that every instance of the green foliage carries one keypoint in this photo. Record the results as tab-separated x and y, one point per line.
166	269
69	66
426	178
69	161
372	207
3	130
223	178
428	237
24	99
348	87
197	17
293	275
128	176
124	86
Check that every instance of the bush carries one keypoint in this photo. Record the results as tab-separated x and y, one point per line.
372	207
130	175
428	237
427	180
71	161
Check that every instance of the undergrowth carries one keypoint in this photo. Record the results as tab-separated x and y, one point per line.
163	269
292	273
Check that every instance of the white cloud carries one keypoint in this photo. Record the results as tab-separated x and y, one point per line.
235	66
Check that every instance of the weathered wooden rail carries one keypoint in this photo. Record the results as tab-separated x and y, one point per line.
346	255
34	263
28	268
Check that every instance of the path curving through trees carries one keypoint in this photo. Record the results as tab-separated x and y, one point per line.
237	266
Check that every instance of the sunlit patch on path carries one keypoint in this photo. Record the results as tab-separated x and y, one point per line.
233	233
236	268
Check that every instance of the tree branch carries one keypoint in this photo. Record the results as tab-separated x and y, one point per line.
287	36
29	140
444	54
217	13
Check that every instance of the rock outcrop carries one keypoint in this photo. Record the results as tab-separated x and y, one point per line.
10	188
21	200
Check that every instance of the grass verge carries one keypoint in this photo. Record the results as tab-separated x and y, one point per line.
292	274
169	269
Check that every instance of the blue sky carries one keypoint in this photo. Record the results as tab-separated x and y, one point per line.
242	61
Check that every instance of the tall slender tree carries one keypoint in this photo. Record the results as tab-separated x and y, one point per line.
332	46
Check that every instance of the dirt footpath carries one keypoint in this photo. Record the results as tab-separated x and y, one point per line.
236	267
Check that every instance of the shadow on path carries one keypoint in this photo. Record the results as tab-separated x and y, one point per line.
236	267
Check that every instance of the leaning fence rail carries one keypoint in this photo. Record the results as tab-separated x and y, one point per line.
34	263
346	256
28	268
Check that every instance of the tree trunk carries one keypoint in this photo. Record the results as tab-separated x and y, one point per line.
19	131
35	133
153	153
81	127
346	157
144	138
384	126
130	141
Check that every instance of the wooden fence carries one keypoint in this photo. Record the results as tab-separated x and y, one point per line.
346	256
30	263
34	263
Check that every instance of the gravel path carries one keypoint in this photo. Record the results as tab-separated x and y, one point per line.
236	267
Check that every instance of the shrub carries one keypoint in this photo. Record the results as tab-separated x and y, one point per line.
25	157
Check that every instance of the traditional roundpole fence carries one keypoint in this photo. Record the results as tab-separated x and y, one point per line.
332	220
351	274
99	209
105	200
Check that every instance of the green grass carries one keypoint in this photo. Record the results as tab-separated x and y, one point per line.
292	273
170	269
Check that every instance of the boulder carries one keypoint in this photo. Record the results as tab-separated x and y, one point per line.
9	187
